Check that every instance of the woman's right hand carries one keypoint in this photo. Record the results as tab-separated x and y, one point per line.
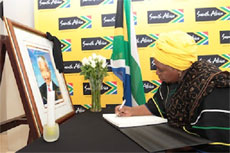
132	111
124	111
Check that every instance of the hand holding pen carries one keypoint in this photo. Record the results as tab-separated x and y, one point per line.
122	110
123	103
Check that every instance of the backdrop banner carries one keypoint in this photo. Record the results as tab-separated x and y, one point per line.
87	26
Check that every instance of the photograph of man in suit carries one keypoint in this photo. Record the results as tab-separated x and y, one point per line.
49	85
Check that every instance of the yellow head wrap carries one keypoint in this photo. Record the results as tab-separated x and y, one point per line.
176	49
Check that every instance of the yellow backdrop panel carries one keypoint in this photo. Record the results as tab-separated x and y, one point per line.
78	22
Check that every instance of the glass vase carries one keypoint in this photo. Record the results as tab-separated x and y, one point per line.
95	85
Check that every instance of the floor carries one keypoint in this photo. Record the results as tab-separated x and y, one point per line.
14	139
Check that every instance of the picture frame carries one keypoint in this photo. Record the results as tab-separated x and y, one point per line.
30	48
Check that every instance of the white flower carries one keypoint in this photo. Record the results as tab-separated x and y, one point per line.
104	60
94	67
93	64
85	61
94	56
90	59
104	64
100	58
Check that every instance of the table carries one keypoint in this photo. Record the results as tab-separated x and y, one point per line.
86	132
89	132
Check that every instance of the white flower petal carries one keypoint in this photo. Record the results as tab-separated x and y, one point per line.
94	56
85	61
99	58
104	64
93	64
90	59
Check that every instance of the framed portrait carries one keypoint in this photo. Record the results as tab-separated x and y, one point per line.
35	72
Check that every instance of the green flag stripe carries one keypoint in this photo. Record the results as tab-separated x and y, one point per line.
226	65
226	56
156	82
136	83
137	89
225	17
113	89
225	9
154	36
118	44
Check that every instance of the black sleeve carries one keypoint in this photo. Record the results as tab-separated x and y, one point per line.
155	105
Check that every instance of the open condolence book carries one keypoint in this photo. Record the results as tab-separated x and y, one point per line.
133	120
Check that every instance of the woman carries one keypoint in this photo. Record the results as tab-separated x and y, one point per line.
194	95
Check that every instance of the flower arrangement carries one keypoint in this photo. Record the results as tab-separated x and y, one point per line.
95	69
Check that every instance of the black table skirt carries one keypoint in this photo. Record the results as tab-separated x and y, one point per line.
86	132
89	132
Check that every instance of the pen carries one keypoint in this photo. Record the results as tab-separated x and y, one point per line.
123	103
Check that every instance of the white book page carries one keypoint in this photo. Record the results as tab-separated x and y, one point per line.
133	120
